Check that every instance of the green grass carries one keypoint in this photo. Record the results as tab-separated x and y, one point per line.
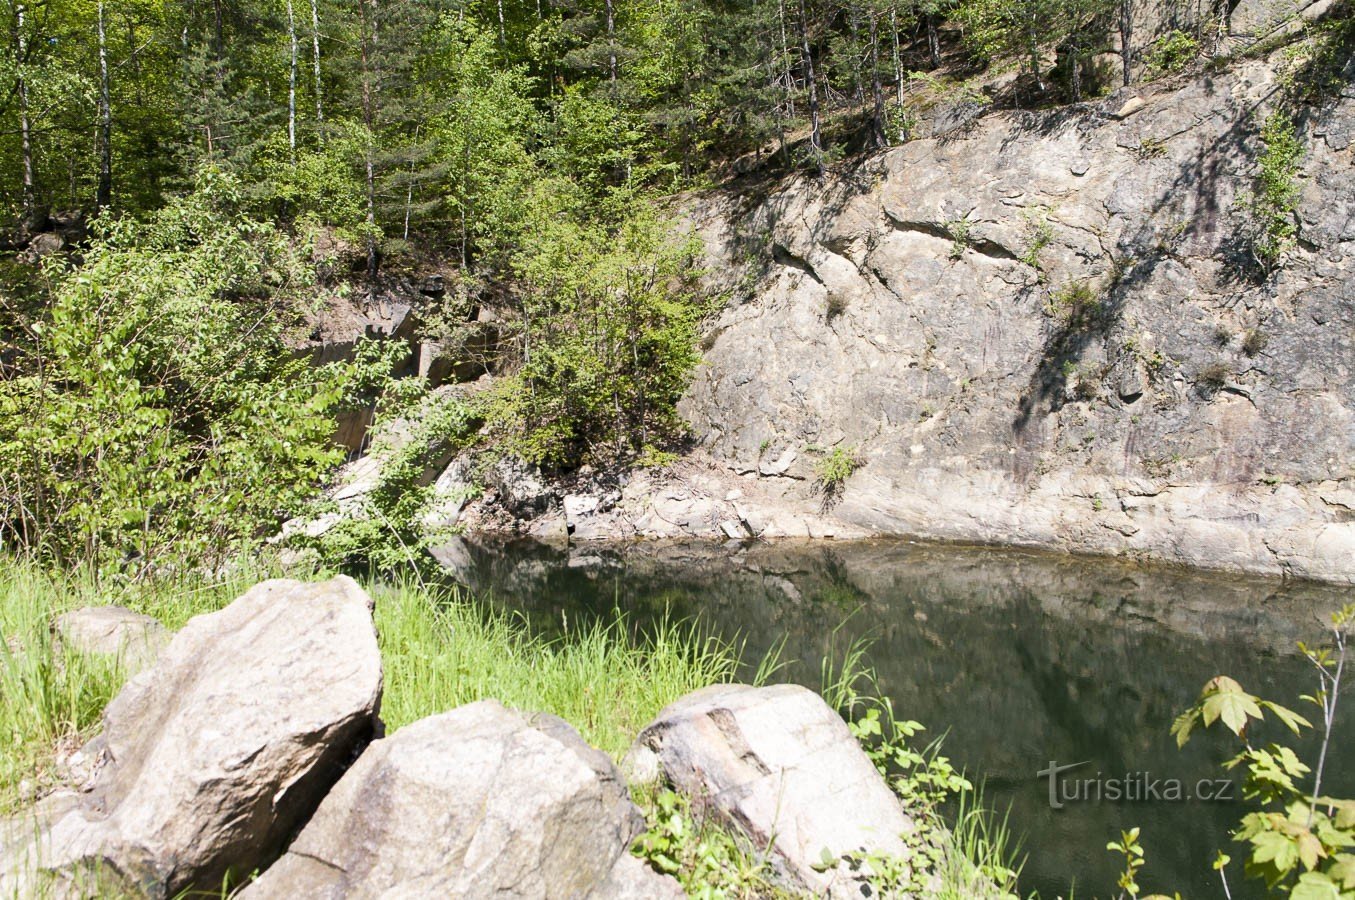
53	697
441	652
438	649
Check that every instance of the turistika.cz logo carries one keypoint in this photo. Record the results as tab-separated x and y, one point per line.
1130	787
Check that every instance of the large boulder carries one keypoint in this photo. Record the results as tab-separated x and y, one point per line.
481	801
218	752
133	638
782	767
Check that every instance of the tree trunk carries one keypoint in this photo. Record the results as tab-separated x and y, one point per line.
1075	67
291	82
103	194
369	10
1033	56
898	56
29	193
815	137
785	59
315	58
858	81
1126	37
218	31
877	92
611	44
933	41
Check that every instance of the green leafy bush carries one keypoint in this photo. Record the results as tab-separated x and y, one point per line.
607	336
1274	204
1171	53
833	470
153	403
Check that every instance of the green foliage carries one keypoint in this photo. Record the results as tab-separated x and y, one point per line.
1273	205
153	404
607	335
958	229
1076	306
387	526
1171	52
923	778
708	861
1038	235
1301	843
1129	847
833	469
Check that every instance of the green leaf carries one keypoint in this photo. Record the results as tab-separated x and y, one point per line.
1314	886
1278	850
1292	720
1229	703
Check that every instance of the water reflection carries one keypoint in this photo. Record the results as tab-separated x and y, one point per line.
1023	658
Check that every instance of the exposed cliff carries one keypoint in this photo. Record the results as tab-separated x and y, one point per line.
1047	329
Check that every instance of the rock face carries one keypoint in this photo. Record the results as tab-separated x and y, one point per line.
216	753
780	765
478	802
1047	329
132	637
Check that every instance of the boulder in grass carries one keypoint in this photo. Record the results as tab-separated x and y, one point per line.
779	765
482	801
213	756
132	637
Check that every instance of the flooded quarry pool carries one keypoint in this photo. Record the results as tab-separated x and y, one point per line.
1022	660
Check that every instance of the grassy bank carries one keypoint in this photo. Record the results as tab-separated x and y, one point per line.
439	651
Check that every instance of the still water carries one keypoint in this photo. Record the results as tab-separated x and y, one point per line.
1019	658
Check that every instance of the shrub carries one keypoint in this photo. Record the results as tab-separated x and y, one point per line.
1273	206
958	229
1038	235
1212	377
1076	305
153	404
832	472
1171	53
607	336
1254	341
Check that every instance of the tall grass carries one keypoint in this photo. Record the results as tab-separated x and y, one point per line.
50	696
441	652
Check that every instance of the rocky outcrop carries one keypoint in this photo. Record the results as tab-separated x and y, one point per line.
1046	329
482	801
132	638
209	759
779	765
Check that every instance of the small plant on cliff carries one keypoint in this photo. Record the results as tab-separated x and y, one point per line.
1273	206
958	229
1038	235
1076	306
833	470
1171	53
1254	341
1212	378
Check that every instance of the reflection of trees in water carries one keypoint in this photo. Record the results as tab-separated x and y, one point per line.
1021	657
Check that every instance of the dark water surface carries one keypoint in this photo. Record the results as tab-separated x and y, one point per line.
1022	658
